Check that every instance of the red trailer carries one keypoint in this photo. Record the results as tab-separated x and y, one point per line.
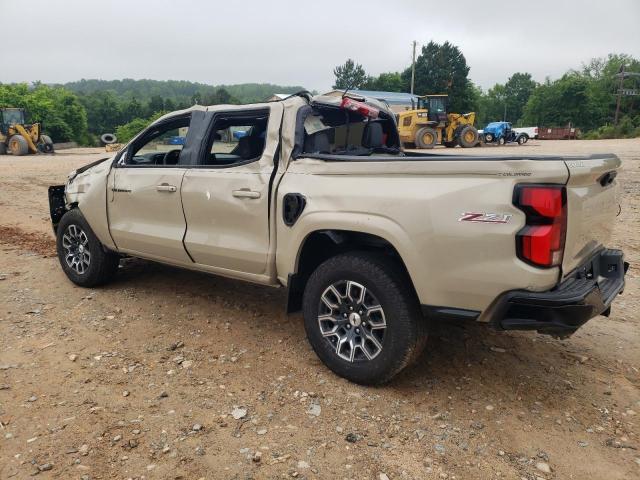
558	133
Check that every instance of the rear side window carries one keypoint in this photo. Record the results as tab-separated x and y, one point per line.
327	129
236	138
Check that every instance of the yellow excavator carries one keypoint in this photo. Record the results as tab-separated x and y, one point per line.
429	124
18	138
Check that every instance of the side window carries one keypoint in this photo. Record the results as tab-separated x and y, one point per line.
236	138
161	145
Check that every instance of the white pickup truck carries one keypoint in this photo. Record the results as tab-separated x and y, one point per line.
530	132
316	195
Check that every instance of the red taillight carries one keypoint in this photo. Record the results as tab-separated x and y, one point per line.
541	241
360	107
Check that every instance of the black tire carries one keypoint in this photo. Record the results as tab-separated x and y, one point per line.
18	146
405	332
426	137
468	137
522	139
101	265
3	148
46	144
488	138
108	138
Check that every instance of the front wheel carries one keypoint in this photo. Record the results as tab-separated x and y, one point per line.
468	137
362	317
18	146
83	258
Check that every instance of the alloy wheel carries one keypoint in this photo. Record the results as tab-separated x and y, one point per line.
352	320
76	252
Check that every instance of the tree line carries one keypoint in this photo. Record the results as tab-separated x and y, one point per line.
82	111
584	98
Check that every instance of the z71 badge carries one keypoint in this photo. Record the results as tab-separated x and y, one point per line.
482	217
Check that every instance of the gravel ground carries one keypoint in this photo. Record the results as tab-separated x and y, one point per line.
169	374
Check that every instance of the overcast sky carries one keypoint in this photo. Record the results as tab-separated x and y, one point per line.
293	42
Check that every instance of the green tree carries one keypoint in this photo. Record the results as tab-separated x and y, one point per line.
155	104
561	102
104	111
386	82
349	75
133	109
220	97
62	115
169	105
517	91
130	129
443	69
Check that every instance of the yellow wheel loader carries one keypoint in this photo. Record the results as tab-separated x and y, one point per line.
429	125
18	138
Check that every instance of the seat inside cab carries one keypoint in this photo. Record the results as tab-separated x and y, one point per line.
236	139
337	131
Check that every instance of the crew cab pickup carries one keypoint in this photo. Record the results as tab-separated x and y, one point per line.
316	195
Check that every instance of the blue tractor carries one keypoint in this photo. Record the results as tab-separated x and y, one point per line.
502	132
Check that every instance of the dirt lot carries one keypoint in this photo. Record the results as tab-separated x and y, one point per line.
167	374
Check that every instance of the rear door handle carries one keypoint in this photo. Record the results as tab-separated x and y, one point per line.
246	193
165	187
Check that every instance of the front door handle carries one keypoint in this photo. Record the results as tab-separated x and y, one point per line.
246	193
165	187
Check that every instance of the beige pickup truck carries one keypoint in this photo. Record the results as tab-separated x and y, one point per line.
316	195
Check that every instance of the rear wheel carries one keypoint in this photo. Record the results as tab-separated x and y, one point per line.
18	145
522	139
426	137
362	317
83	258
488	137
468	137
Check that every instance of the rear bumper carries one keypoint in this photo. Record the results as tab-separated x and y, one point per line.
588	292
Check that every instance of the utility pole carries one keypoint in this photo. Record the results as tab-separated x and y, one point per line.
413	67
619	93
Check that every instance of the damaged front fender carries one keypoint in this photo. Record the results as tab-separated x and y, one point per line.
86	189
57	204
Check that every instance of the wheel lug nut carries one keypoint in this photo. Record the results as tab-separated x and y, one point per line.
357	330
350	308
344	315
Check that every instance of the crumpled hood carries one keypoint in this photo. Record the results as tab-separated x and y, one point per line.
86	167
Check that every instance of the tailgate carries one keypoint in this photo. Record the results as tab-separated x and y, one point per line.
592	205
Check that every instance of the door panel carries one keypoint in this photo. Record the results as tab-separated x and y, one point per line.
145	212
227	208
227	217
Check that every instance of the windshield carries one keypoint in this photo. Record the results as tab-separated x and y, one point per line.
12	117
437	105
